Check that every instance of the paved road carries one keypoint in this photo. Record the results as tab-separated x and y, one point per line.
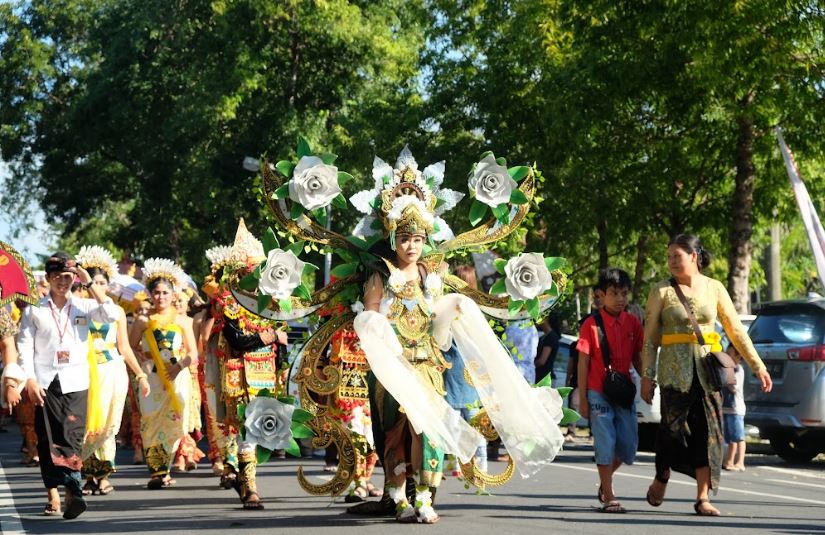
771	497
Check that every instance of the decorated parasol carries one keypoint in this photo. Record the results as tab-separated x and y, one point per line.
124	288
15	277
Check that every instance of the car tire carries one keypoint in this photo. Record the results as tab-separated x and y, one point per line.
793	449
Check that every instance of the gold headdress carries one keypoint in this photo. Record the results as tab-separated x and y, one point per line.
162	268
94	256
247	249
219	256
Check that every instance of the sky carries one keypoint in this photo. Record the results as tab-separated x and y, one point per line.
29	244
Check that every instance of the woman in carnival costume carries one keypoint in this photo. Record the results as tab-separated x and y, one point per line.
407	318
167	347
188	454
109	354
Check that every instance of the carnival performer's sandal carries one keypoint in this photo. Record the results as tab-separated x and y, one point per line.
374	491
655	500
252	501
90	487
710	510
155	483
52	508
75	506
424	512
613	506
104	487
228	480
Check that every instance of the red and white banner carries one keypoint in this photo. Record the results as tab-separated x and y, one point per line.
813	226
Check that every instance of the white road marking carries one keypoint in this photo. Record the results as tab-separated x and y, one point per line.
8	511
788	471
814	485
692	484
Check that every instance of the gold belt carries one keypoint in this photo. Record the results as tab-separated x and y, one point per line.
713	339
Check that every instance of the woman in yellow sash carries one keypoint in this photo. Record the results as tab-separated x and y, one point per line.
167	345
109	353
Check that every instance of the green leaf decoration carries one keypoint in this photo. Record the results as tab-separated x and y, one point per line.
343	178
514	307
296	247
569	416
285	305
477	212
320	215
518	197
302	416
376	224
554	290
241	412
518	173
498	287
270	241
264	393
345	255
262	455
301	431
501	161
293	448
485	154
249	283
358	242
344	270
285	168
264	301
501	211
439	202
564	391
302	292
375	204
328	157
554	262
296	210
533	308
303	147
339	202
309	268
289	400
547	381
430	182
281	193
500	263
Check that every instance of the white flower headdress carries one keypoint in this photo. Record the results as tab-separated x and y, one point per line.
219	256
94	256
162	268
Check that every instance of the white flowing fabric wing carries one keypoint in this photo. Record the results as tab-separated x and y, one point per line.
526	418
427	411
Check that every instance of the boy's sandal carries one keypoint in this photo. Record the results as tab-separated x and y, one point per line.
613	506
52	509
704	512
252	501
652	499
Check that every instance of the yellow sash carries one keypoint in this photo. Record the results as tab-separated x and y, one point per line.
160	366
713	339
94	411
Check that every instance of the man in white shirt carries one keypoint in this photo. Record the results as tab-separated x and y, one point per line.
53	344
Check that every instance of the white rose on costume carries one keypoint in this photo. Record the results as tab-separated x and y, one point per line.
281	274
314	184
491	182
433	284
268	423
357	307
527	276
397	281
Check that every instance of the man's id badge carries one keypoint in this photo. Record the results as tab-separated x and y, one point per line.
62	356
80	321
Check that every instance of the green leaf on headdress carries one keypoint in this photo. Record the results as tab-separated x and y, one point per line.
358	242
308	269
281	193
285	305
343	178
485	154
303	147
289	400
500	263
320	215
264	393
296	247
301	431
293	448
554	262
344	270
264	301
285	168
302	292
501	161
376	224
518	197
262	455
569	416
533	308
302	416
518	173
564	391
241	413
328	157
477	212
439	202
375	203
547	381
498	287
296	210
339	202
249	283
430	182
270	241
501	212
514	307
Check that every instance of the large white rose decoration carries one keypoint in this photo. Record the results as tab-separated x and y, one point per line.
527	276
268	423
433	284
491	182
281	274
314	184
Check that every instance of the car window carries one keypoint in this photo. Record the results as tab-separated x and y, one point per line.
789	326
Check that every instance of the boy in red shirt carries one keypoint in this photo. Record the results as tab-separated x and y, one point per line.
614	427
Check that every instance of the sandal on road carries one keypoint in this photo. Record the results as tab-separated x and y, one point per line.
655	500
703	511
613	506
52	509
253	501
105	488
75	506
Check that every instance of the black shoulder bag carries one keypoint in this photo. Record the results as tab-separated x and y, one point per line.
719	365
617	387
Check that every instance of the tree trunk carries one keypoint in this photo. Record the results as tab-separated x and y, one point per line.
601	227
641	258
741	230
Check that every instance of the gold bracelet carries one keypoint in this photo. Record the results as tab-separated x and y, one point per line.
140	376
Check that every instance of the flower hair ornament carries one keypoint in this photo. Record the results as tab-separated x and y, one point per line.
163	268
94	256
